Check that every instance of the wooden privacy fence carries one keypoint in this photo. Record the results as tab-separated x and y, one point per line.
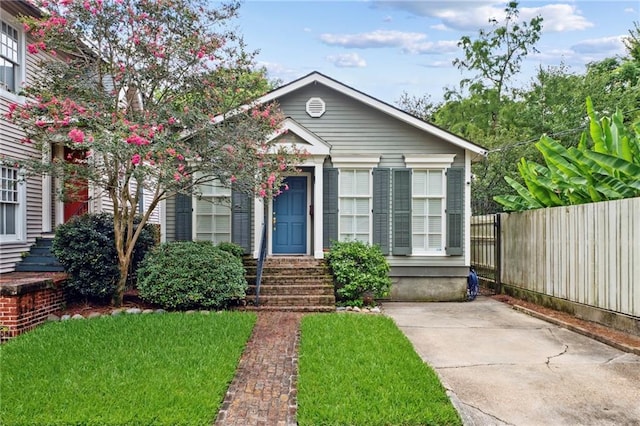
588	254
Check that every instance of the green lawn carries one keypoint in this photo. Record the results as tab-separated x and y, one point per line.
361	370
170	369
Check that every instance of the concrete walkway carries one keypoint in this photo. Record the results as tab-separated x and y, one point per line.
503	367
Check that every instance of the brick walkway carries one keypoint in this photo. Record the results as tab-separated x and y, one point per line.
263	391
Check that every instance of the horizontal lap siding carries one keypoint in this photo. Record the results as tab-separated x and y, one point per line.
351	127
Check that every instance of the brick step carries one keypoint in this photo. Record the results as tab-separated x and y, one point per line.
289	262
301	290
315	300
271	270
291	308
291	280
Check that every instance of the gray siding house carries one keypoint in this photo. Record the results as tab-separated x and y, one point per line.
374	174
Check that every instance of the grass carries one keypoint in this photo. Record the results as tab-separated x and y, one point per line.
361	370
170	369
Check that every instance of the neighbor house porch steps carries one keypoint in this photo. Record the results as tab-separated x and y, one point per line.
39	258
291	283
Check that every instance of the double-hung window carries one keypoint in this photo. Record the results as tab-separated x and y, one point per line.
10	57
355	204
11	210
427	211
213	213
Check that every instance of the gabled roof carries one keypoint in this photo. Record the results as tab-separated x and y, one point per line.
316	77
314	144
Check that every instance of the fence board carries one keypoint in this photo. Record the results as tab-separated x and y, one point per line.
588	254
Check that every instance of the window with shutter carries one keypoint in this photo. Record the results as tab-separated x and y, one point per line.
213	213
355	204
427	217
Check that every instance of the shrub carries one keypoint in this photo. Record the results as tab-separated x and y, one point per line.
232	248
85	246
358	268
191	274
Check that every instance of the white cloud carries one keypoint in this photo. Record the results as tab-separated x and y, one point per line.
306	30
429	47
609	45
473	15
374	39
387	18
629	10
347	60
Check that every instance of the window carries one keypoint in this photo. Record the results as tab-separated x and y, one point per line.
213	213
9	57
355	204
427	207
11	212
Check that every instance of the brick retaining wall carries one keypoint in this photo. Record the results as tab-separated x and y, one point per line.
26	301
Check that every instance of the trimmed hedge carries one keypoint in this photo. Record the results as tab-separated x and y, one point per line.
191	274
85	246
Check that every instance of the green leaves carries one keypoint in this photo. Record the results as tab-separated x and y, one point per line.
609	170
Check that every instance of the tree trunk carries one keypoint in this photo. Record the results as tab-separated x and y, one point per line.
123	266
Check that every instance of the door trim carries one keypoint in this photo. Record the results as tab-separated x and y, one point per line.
308	176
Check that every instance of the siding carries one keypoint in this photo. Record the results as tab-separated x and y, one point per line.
11	147
351	127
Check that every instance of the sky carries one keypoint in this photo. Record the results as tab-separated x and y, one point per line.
387	48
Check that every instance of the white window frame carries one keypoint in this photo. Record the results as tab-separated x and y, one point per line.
20	74
355	162
217	195
19	193
432	162
426	234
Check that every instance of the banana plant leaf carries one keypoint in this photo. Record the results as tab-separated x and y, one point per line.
619	166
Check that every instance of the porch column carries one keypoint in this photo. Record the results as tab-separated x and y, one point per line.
47	183
317	208
258	219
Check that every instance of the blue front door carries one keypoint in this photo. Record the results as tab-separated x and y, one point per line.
289	220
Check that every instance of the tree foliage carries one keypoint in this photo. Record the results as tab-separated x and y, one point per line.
607	168
152	92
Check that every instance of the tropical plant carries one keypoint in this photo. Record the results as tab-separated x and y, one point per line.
606	169
140	88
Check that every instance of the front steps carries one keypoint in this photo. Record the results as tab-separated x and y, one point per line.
40	258
291	283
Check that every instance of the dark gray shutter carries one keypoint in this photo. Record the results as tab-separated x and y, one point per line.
241	220
401	212
183	217
455	211
329	206
381	194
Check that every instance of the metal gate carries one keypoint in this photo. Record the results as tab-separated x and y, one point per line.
485	250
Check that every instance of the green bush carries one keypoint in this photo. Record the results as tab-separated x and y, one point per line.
358	268
191	274
85	246
232	248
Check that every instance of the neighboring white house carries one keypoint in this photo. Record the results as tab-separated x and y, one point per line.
374	174
28	206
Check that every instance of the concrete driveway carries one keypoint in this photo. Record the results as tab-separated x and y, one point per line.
503	367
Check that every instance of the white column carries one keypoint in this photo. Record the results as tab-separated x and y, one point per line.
47	183
59	219
258	218
317	208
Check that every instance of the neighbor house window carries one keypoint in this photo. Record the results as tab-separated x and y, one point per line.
10	55
427	206
11	211
213	213
355	204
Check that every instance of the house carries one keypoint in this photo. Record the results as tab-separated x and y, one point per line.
374	174
29	208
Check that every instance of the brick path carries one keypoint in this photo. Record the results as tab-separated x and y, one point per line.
263	391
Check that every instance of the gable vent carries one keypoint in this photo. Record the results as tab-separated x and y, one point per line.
315	107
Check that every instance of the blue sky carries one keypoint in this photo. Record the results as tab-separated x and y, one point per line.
385	48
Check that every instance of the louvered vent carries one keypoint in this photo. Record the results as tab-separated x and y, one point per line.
315	107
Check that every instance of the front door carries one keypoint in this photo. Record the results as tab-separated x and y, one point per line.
76	198
289	219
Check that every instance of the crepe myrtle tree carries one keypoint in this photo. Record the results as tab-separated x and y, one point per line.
155	94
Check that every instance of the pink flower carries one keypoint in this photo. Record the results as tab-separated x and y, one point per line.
76	135
177	176
171	151
137	140
32	48
286	187
135	159
171	120
263	193
233	178
282	166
